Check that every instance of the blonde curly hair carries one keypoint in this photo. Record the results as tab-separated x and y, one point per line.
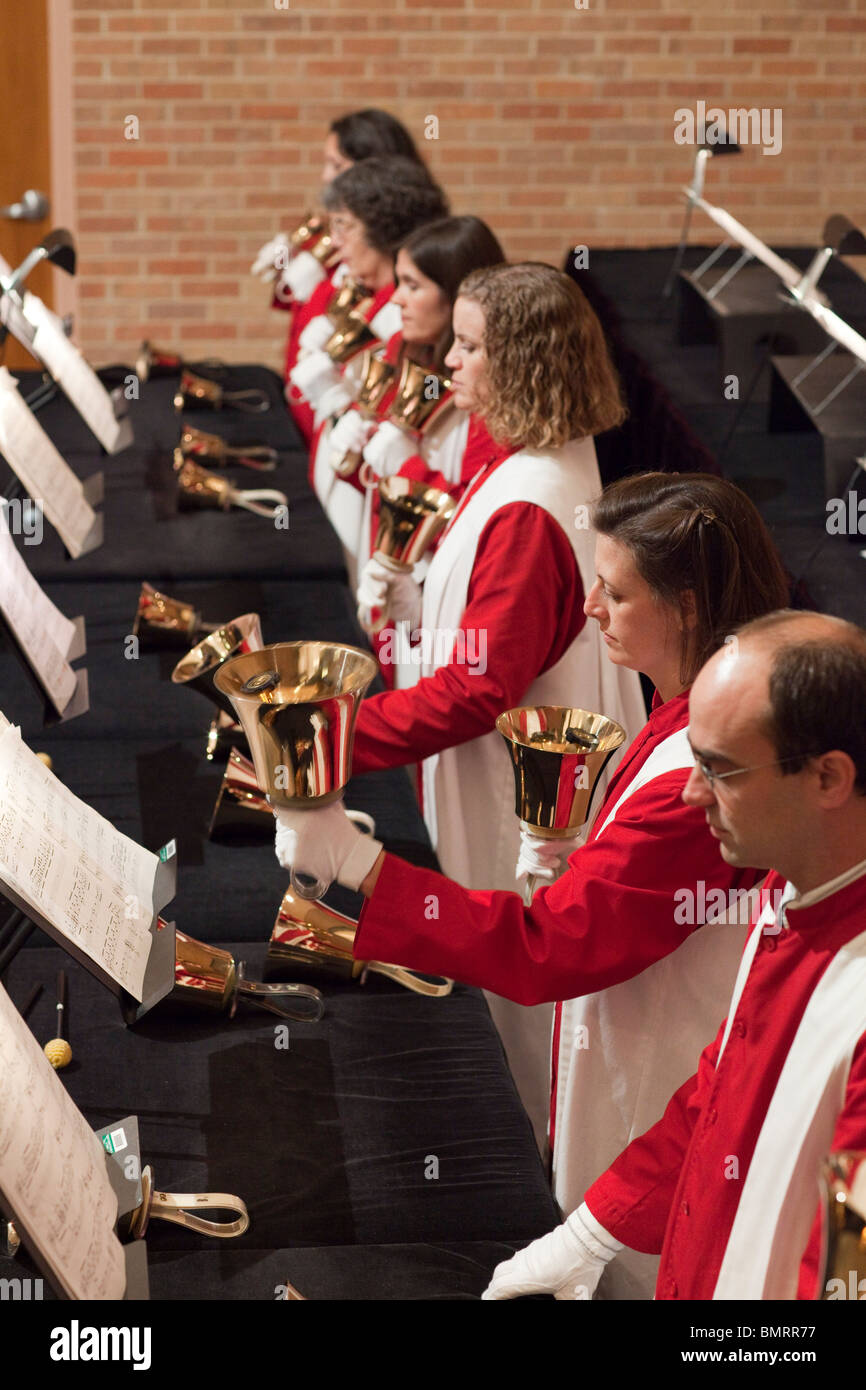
549	373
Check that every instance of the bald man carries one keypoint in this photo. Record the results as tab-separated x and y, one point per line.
725	1185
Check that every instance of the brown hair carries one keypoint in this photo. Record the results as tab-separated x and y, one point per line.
550	376
817	690
391	195
694	531
446	252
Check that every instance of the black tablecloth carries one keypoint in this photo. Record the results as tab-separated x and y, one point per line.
385	1154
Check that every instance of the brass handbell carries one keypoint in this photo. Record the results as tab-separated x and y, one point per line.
350	338
311	939
197	669
155	362
169	621
345	298
297	703
376	377
314	226
843	1178
197	444
197	392
207	977
558	754
422	396
412	516
241	804
201	487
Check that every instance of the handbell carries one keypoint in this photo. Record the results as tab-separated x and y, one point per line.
312	939
314	226
207	977
241	804
156	362
412	516
297	703
198	444
843	1179
197	669
348	296
558	754
422	396
376	378
201	487
350	338
197	392
169	621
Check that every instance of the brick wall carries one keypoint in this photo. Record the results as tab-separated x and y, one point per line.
556	124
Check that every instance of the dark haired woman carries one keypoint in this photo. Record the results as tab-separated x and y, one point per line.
430	265
374	206
681	561
501	621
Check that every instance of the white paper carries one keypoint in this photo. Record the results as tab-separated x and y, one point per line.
73	373
52	1169
42	630
44	473
69	863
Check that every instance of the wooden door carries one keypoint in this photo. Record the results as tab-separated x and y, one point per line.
25	140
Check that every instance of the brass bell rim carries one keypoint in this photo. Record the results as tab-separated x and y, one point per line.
357	679
544	832
612	737
246	625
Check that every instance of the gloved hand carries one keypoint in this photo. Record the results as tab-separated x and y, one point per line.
302	275
315	335
265	264
567	1262
349	435
543	858
314	374
388	450
334	400
325	843
383	591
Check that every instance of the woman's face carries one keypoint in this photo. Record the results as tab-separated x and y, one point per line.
426	309
334	161
639	629
467	358
366	265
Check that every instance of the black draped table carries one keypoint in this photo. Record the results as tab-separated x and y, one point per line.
384	1153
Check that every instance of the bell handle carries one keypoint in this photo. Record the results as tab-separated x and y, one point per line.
310	889
266	995
174	1207
254	401
410	980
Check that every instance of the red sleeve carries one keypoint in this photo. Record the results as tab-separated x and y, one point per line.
460	701
611	914
850	1133
633	1198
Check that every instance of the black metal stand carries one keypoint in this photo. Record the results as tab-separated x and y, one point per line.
826	393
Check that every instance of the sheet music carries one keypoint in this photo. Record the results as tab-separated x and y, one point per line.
43	471
42	630
69	863
52	1169
73	373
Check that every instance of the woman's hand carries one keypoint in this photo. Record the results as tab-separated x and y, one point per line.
326	844
567	1262
385	593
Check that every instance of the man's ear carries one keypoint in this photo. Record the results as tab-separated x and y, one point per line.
688	610
837	775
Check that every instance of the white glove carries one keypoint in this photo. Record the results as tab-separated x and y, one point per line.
325	843
388	450
543	858
333	401
567	1262
271	258
302	275
316	334
382	588
313	375
349	435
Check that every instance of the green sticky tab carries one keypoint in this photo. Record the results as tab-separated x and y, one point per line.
107	1143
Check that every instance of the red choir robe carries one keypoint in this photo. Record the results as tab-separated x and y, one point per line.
725	1185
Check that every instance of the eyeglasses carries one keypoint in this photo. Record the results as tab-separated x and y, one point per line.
711	777
343	226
